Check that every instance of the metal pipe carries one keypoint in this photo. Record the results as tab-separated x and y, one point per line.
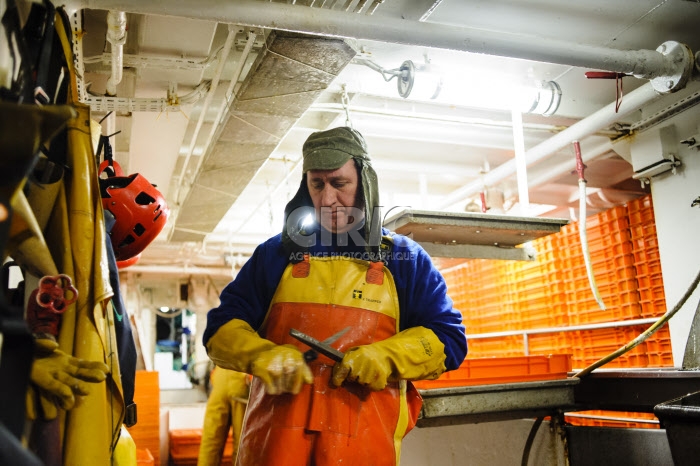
417	115
179	270
599	120
520	162
642	63
565	167
116	36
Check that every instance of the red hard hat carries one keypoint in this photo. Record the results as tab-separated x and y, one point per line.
139	210
129	262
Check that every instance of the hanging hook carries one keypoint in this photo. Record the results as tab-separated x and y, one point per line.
610	75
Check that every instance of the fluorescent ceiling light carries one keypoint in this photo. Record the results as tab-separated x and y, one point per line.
468	88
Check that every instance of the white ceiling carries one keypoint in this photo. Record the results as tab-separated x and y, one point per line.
424	153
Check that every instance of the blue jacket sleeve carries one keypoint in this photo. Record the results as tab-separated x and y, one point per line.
249	295
423	298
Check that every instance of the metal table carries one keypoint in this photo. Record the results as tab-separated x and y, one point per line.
471	235
497	402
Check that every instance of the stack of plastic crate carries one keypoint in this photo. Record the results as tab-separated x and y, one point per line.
538	297
146	432
490	309
647	263
457	288
612	260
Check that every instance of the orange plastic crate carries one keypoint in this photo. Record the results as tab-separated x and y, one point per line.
648	268
184	443
641	203
599	418
484	371
642	230
498	346
144	457
589	312
654	308
652	294
608	284
549	343
591	345
649	281
643	216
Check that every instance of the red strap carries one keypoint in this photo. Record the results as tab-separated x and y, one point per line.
375	273
301	269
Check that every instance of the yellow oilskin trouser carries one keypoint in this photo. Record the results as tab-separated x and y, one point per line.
225	410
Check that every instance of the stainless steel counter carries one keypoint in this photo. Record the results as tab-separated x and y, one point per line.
497	402
473	235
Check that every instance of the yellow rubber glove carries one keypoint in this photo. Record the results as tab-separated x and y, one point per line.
414	354
238	347
60	376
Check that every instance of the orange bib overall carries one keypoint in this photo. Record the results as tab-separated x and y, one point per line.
327	425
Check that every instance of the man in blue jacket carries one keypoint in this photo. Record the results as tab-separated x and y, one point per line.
333	271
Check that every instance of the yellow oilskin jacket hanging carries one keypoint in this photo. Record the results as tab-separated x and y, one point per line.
76	237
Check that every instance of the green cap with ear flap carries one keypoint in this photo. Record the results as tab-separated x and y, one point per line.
333	148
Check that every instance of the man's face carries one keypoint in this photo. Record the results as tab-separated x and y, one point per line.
334	193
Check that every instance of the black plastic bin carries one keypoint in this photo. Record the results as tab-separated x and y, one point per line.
681	419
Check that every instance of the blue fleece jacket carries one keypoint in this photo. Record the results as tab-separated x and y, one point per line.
421	290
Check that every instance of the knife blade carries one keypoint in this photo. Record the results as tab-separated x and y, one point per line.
319	346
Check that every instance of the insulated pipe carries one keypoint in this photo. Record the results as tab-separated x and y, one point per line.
599	120
520	162
179	270
641	63
565	167
116	36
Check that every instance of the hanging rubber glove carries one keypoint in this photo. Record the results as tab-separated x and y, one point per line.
414	354
61	376
238	347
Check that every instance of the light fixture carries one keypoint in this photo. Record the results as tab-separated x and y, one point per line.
308	221
470	88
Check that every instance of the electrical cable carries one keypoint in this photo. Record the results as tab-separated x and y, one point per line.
530	440
583	234
646	334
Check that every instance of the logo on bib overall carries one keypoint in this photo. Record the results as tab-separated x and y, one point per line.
356	294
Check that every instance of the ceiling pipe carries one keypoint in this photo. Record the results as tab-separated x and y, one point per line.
599	120
116	36
671	63
563	168
426	116
184	271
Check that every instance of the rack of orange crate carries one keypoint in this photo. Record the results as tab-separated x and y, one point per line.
647	263
146	432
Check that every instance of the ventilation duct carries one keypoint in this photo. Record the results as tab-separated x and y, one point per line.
287	77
